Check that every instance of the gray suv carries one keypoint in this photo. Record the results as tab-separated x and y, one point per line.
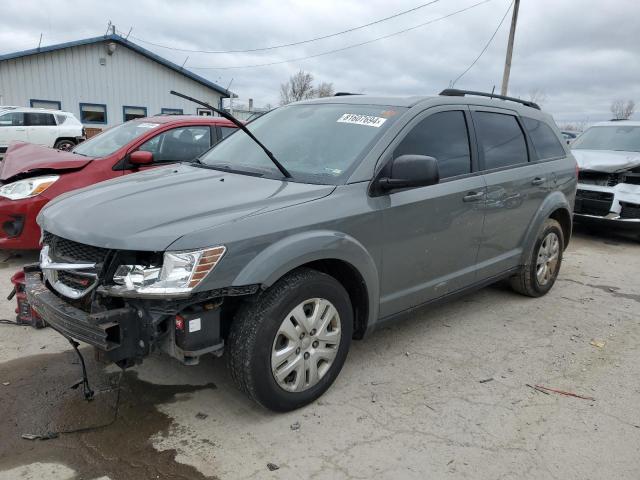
355	211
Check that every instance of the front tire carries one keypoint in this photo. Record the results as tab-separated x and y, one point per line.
539	274
65	145
285	349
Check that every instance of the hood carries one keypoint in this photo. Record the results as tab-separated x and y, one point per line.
22	158
608	161
152	209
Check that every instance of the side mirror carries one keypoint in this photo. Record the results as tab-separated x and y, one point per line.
140	157
410	171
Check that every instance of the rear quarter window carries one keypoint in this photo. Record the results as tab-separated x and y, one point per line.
544	140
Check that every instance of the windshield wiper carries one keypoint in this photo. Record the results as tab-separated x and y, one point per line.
241	126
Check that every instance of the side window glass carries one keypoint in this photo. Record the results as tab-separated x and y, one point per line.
12	119
226	131
179	145
544	140
443	136
39	119
500	140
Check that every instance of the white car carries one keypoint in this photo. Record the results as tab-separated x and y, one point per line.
51	128
608	156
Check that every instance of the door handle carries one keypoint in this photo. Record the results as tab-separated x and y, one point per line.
473	197
537	181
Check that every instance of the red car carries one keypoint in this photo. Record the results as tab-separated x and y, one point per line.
32	175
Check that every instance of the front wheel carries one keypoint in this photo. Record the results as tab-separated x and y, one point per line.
540	272
65	145
286	349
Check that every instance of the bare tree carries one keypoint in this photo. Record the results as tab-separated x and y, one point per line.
537	95
622	110
325	89
299	87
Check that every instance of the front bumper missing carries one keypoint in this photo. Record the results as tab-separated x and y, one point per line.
114	332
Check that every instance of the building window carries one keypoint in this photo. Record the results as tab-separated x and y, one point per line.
171	111
93	113
205	112
48	104
131	113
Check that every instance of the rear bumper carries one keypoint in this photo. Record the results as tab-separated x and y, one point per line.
18	227
114	332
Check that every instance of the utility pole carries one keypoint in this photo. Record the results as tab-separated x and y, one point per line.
507	61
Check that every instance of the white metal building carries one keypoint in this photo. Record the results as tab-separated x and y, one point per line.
103	81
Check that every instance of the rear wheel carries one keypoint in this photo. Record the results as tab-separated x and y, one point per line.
539	274
65	145
287	348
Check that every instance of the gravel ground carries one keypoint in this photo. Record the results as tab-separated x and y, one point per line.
441	395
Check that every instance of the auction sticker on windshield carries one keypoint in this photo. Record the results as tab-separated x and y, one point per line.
366	120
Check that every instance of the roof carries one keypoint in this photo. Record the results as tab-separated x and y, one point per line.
618	123
121	41
431	100
187	119
32	109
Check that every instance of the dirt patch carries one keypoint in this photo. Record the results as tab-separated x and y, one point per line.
38	399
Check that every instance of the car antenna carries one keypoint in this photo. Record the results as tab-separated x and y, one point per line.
241	126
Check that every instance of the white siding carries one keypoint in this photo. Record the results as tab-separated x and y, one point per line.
74	75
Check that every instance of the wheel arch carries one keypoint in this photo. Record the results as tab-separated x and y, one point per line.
554	206
333	253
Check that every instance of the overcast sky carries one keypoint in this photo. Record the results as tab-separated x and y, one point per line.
581	54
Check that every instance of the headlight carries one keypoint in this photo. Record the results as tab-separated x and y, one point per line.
29	187
181	272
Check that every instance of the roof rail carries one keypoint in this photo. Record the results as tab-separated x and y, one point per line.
454	92
344	94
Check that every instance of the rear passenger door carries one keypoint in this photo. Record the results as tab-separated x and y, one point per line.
516	187
431	235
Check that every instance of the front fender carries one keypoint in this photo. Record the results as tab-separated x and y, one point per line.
554	201
291	252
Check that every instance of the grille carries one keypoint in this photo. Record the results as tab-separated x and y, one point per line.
598	178
593	203
61	248
630	210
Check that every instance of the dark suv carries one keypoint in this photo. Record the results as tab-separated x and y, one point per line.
355	211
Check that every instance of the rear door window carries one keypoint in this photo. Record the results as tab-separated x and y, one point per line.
545	142
501	142
179	145
39	119
443	136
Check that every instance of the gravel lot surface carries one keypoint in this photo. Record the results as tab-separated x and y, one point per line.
445	394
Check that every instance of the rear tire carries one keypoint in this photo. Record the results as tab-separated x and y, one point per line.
285	349
64	144
539	274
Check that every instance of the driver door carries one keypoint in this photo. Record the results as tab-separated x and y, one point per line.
12	128
432	234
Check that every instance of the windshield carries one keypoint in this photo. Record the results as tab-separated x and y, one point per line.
624	138
316	143
113	139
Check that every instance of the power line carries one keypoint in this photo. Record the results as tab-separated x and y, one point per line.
485	47
261	49
344	48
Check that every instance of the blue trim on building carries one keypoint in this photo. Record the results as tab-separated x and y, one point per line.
121	41
31	100
124	107
172	111
94	105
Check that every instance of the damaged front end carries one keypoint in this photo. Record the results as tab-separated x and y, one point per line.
609	197
128	304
